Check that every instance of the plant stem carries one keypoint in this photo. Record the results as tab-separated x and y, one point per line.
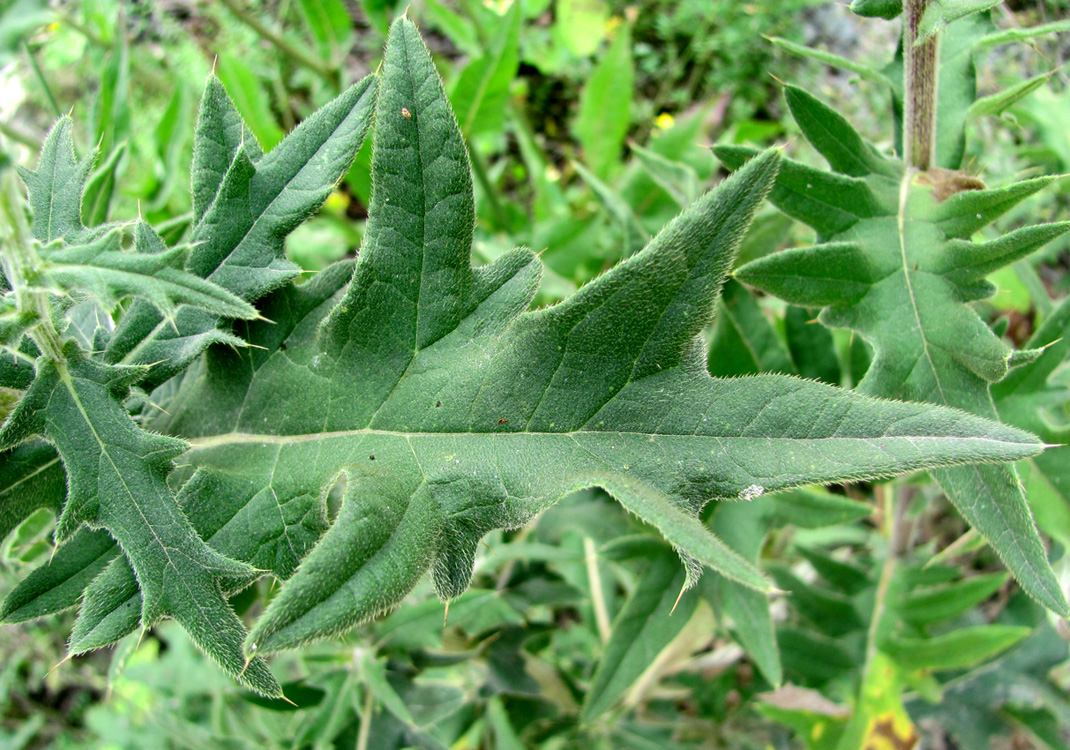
19	259
18	136
42	80
328	72
920	78
598	599
365	732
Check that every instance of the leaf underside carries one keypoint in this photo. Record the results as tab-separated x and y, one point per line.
897	266
426	387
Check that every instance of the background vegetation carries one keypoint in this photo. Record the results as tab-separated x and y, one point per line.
590	124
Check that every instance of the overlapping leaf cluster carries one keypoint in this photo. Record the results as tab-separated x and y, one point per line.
424	388
897	263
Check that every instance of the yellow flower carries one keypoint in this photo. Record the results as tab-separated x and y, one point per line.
664	121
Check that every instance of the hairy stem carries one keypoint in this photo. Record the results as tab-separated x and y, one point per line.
20	262
920	79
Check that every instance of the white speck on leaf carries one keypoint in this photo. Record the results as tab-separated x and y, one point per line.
750	492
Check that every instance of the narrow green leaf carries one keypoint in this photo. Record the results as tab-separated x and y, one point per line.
480	97
219	133
839	273
251	98
831	59
330	24
814	509
605	106
100	189
829	612
640	632
830	203
963	261
968	212
58	584
844	576
635	237
811	345
678	179
830	133
948	601
31	477
152	272
939	14
1008	36
959	649
74	404
744	526
744	341
995	104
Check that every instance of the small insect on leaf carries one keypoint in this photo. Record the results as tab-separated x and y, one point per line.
406	113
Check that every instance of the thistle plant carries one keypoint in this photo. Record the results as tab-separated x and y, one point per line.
203	426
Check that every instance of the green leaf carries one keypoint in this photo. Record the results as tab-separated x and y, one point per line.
951	600
678	179
833	60
959	649
830	133
902	281
31	477
744	341
220	132
939	14
581	24
58	585
995	104
101	188
56	186
830	203
887	9
645	626
965	213
634	236
605	107
330	24
1007	36
452	414
744	526
244	206
152	272
117	478
481	95
251	97
253	516
811	345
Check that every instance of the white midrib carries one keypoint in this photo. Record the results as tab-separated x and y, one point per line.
904	194
247	438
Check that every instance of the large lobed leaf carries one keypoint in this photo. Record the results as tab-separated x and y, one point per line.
428	389
898	267
451	411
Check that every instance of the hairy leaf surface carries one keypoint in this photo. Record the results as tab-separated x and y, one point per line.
450	411
902	276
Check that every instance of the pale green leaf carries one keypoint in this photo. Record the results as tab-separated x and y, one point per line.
605	107
645	626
